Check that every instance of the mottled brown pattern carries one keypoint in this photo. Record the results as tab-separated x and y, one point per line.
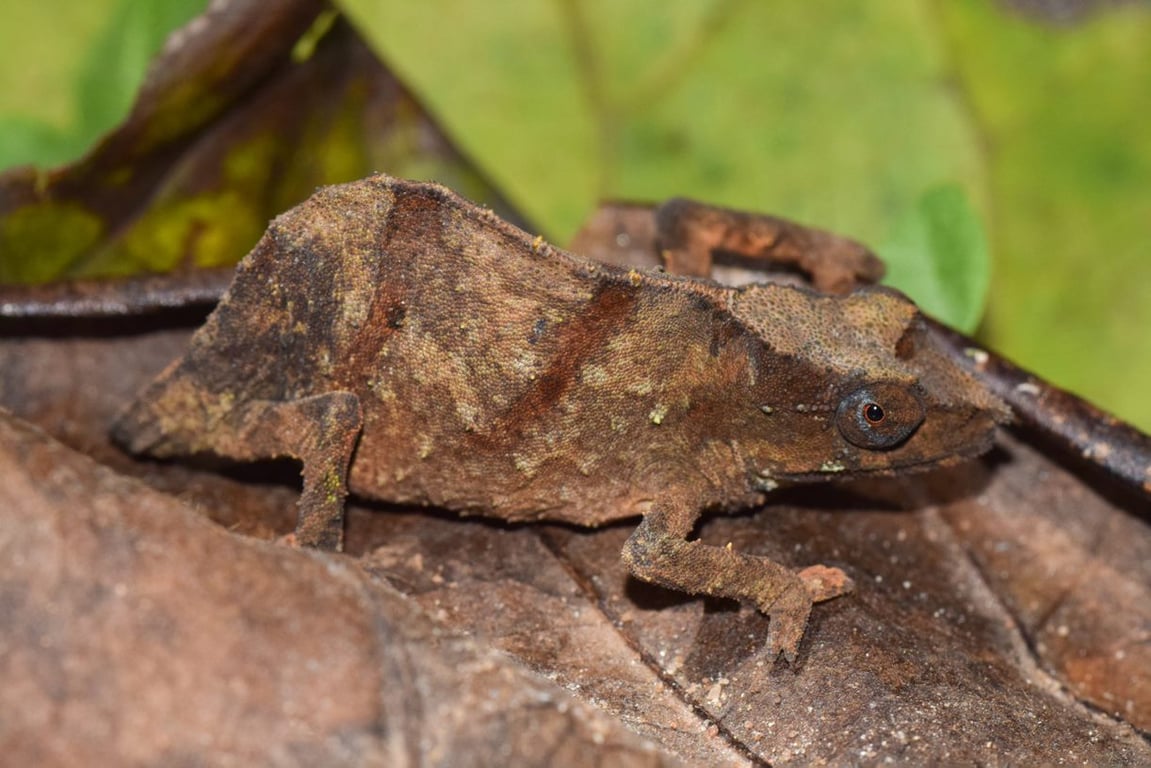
577	341
410	346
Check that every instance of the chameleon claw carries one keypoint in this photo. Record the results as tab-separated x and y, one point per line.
788	616
790	610
823	582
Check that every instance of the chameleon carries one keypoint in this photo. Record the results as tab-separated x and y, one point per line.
409	346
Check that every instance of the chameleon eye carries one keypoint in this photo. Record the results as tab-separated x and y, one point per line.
873	412
879	415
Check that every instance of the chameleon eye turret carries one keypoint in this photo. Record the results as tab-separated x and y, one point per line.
880	415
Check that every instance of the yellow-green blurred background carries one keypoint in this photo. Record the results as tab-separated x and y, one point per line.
860	117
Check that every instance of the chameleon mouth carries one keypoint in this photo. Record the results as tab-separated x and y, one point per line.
837	470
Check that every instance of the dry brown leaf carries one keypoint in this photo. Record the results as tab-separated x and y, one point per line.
137	633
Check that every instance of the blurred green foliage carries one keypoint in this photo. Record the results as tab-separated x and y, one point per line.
907	124
937	252
71	68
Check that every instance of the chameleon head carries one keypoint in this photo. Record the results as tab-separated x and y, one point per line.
858	385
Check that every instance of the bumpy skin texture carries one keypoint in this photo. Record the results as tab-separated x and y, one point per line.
412	347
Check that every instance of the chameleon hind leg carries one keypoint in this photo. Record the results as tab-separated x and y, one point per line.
320	431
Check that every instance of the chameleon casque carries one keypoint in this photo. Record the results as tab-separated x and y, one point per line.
412	347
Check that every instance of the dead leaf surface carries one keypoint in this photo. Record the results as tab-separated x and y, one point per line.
137	633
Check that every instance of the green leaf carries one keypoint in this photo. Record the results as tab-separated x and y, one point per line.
49	117
835	113
23	140
42	45
937	254
1066	110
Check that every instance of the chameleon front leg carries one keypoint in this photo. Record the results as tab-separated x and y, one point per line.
658	551
689	233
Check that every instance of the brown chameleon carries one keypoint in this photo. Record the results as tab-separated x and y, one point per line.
409	346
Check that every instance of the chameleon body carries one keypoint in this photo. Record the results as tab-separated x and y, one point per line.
410	346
